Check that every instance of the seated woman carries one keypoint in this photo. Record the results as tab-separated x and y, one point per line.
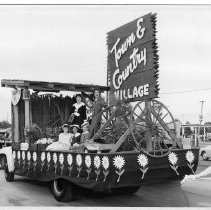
76	135
79	111
64	141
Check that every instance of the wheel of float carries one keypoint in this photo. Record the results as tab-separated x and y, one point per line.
62	190
153	128
9	176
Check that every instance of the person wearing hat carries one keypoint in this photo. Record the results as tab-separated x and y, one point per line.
64	141
79	111
76	135
85	133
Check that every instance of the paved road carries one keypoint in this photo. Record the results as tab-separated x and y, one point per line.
24	192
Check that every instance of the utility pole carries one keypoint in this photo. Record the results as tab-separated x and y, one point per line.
201	116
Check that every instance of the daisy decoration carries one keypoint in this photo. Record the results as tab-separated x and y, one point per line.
88	163
190	158
61	161
143	162
79	163
173	159
55	161
48	160
105	163
97	163
42	160
119	162
70	162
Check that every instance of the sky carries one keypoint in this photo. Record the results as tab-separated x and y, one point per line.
67	43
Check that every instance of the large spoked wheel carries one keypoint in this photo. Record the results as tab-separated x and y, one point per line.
114	122
9	176
62	190
153	128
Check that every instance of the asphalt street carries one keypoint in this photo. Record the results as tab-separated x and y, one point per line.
25	192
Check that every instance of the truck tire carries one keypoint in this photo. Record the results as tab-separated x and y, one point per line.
62	190
9	176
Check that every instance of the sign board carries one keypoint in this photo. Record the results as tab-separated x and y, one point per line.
132	66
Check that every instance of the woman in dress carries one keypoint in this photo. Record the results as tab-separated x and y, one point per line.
79	111
98	103
64	141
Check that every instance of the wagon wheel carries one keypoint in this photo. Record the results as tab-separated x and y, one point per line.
153	128
114	122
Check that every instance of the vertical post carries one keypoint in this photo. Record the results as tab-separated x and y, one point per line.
26	98
30	115
204	136
149	140
195	136
198	136
16	124
183	131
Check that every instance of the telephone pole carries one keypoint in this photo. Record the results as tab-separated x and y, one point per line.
201	115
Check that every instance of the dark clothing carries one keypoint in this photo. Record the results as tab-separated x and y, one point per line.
76	139
80	114
97	107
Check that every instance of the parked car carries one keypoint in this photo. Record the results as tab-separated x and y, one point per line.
205	152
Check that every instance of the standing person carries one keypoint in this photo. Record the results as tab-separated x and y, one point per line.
97	106
79	111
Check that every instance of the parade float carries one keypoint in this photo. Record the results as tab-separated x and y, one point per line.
138	142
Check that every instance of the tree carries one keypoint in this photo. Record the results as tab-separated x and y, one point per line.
4	124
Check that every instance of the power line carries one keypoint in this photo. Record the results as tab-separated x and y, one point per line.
185	91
